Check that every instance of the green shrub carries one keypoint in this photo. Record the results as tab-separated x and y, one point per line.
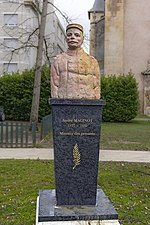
121	95
16	94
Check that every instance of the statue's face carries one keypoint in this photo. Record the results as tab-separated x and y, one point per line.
74	38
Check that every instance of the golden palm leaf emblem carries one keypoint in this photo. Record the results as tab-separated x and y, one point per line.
76	156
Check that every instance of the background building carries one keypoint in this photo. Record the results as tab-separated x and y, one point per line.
126	40
97	27
19	35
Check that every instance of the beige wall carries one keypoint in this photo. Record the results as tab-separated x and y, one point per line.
113	37
127	39
137	39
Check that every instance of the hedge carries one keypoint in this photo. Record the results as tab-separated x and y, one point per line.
122	99
16	92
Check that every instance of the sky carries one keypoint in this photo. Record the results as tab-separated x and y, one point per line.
77	11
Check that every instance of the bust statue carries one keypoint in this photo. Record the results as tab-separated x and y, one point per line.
75	74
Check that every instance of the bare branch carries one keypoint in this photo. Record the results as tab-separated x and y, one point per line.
63	15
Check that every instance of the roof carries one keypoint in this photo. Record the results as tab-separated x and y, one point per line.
97	7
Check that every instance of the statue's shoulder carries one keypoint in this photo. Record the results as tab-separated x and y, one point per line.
91	58
88	56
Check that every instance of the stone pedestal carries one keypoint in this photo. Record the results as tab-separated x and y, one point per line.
76	132
49	213
76	200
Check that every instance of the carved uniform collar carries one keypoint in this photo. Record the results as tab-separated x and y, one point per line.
74	52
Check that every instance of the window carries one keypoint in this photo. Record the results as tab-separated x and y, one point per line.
11	19
10	43
10	67
16	1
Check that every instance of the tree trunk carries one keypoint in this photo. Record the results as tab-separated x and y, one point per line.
37	80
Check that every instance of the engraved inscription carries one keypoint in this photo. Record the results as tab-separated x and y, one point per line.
71	125
75	120
83	120
76	124
76	134
66	134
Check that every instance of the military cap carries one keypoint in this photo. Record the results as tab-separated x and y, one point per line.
74	25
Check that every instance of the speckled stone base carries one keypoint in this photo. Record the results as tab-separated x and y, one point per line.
76	133
96	222
48	211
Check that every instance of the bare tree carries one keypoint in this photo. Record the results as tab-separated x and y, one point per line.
37	79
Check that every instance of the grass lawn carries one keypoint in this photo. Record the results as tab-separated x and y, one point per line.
126	184
134	135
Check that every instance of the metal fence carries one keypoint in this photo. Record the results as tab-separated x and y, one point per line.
20	134
46	125
17	134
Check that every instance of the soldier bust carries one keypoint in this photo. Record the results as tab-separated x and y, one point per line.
75	74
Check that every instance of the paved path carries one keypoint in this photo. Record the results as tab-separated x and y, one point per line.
105	155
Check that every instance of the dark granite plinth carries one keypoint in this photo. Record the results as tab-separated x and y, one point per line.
76	132
48	211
